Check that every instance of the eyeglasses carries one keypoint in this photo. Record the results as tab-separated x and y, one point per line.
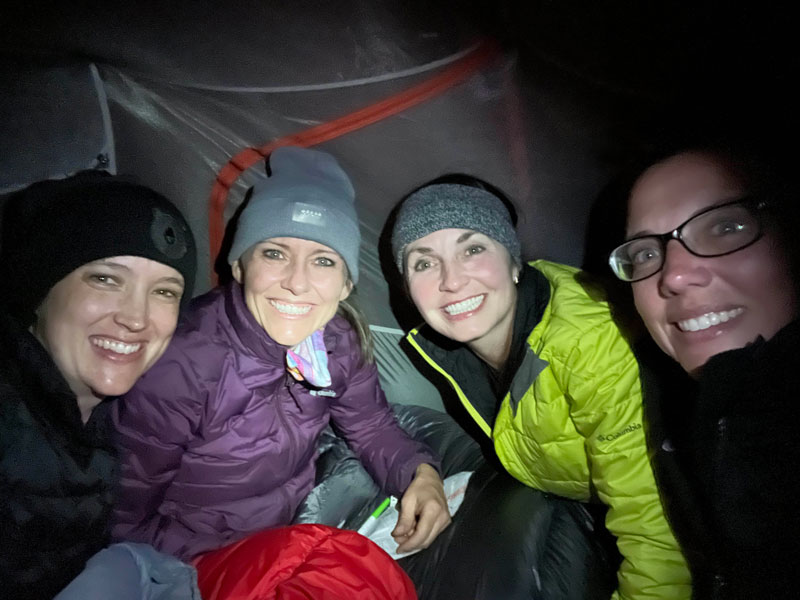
716	231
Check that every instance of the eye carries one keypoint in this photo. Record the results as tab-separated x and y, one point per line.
324	261
644	254
272	253
103	279
475	249
423	264
168	293
728	228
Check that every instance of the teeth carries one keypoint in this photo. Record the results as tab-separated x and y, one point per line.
118	347
464	306
709	320
290	309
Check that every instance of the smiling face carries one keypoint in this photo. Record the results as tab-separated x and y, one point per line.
292	286
698	307
462	283
108	321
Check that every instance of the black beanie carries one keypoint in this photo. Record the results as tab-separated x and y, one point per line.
52	227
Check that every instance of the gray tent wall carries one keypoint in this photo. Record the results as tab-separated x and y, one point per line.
172	94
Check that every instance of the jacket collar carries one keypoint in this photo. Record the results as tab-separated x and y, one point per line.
48	395
533	294
486	389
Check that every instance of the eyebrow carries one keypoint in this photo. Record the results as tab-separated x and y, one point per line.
313	252
645	232
108	263
174	280
465	236
425	250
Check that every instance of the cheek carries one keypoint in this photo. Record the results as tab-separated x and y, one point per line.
648	302
259	276
490	268
766	277
165	320
421	291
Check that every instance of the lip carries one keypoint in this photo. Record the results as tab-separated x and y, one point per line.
710	333
109	348
303	308
478	300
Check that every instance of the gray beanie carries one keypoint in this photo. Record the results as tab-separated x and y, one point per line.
309	197
452	206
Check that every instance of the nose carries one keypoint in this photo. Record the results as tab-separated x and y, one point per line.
453	276
132	312
682	270
295	278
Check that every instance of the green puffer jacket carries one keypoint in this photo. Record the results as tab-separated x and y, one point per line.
571	423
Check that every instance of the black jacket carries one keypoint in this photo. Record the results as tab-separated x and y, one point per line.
727	462
56	475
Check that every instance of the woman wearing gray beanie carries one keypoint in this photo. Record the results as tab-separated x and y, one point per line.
94	268
538	363
219	441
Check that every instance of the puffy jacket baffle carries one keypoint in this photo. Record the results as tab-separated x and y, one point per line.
218	441
570	420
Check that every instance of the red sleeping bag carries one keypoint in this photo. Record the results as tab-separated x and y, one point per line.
308	562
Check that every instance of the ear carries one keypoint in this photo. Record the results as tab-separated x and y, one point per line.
238	272
346	290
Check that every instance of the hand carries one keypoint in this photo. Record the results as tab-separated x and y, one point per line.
423	511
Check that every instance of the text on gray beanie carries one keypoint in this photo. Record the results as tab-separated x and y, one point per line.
452	206
308	196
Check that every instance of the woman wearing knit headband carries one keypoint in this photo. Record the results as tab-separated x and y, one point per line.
219	441
539	365
94	269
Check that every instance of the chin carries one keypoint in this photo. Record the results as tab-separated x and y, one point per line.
118	387
289	339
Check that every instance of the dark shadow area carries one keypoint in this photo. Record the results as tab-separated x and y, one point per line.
221	266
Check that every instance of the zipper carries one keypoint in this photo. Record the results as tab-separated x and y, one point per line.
461	396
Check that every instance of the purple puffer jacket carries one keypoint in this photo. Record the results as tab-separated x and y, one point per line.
217	441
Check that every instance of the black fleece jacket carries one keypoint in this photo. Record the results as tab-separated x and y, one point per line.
56	474
726	455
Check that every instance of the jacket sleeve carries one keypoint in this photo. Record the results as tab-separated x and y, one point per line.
154	424
363	416
606	397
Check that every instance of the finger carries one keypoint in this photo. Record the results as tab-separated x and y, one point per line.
424	526
442	520
406	522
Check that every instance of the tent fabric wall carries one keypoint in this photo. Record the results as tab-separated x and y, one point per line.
55	121
170	92
187	89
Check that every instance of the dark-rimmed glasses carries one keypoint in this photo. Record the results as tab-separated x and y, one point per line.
716	231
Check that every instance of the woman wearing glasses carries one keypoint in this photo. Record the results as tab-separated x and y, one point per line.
537	361
710	257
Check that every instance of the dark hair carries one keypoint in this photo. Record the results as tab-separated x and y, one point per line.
350	311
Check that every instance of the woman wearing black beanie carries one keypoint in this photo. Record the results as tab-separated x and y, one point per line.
94	269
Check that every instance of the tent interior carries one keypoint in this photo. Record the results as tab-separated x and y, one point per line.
545	100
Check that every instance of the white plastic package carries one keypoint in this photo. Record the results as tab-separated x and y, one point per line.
378	527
